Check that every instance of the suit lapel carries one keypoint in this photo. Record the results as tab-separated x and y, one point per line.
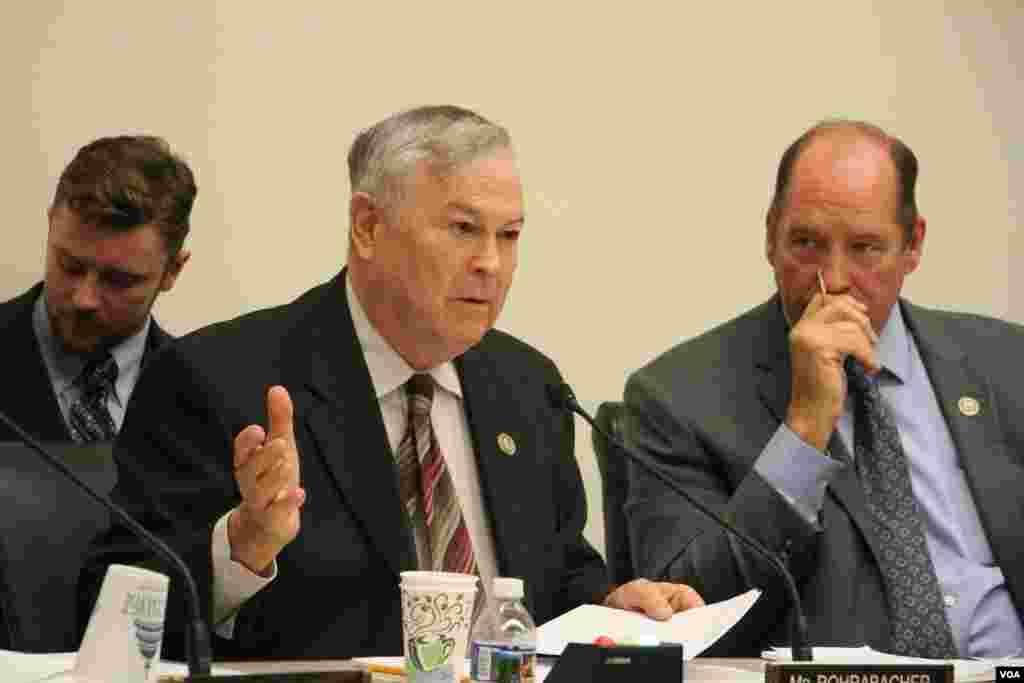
346	423
771	361
155	340
504	478
36	408
993	477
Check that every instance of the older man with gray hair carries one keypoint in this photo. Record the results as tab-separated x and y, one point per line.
285	453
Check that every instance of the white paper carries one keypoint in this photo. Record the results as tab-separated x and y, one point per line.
696	629
24	667
964	670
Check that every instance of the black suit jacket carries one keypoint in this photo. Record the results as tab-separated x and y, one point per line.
336	594
30	401
705	410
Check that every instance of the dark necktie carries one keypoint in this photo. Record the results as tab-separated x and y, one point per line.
88	416
427	490
917	612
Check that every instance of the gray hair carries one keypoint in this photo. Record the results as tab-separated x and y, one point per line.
446	135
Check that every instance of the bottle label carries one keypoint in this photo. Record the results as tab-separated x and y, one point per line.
501	663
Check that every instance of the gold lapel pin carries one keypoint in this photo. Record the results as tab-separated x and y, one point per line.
507	444
968	406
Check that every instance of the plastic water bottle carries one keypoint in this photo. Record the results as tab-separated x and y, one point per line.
503	645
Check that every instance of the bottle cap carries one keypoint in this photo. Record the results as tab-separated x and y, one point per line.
508	589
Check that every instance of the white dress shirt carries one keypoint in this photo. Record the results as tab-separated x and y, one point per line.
233	583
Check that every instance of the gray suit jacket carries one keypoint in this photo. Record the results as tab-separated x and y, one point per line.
705	410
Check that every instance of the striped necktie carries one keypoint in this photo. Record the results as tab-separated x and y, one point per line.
88	416
427	490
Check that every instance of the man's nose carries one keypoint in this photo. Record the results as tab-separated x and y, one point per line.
488	256
86	296
836	272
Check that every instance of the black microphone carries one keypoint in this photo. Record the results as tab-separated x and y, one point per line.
563	397
199	652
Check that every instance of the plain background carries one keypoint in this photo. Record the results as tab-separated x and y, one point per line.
648	135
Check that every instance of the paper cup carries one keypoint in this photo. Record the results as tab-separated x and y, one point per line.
122	641
437	612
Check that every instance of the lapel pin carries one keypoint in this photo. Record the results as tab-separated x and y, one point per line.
969	406
507	444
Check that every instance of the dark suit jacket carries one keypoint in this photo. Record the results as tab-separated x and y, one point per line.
705	410
336	594
30	400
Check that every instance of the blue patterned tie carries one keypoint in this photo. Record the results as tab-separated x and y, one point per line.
88	417
917	612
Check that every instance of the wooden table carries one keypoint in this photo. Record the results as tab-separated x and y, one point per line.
708	670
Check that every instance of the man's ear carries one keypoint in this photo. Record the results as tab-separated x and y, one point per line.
365	219
769	236
174	270
916	246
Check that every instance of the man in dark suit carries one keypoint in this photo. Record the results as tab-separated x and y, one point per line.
117	223
308	565
765	419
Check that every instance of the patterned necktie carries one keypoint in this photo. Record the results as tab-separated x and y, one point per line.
88	416
918	615
427	490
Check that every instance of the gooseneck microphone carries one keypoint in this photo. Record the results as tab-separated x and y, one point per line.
563	397
198	638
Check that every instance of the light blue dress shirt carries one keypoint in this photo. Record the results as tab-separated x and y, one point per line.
978	605
64	367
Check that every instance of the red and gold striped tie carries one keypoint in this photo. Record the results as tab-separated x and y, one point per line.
427	490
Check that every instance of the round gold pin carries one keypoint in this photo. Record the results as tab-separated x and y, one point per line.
969	406
507	444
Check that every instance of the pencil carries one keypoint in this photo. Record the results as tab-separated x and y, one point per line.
396	671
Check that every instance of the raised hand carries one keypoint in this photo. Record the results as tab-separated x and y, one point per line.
267	472
831	328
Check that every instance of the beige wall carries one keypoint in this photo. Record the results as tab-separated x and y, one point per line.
648	135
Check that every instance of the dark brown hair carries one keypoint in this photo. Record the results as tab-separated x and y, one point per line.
902	157
128	181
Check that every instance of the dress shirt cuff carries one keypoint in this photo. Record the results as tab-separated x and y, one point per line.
798	471
233	583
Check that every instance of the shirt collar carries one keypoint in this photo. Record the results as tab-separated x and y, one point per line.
894	346
64	367
388	370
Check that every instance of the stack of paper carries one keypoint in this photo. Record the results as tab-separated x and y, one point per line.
23	667
696	629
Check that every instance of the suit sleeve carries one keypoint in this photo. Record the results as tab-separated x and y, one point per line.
671	540
175	477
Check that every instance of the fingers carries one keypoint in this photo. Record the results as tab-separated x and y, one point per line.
248	440
838	326
848	340
269	472
683	597
658	600
267	461
840	308
280	415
